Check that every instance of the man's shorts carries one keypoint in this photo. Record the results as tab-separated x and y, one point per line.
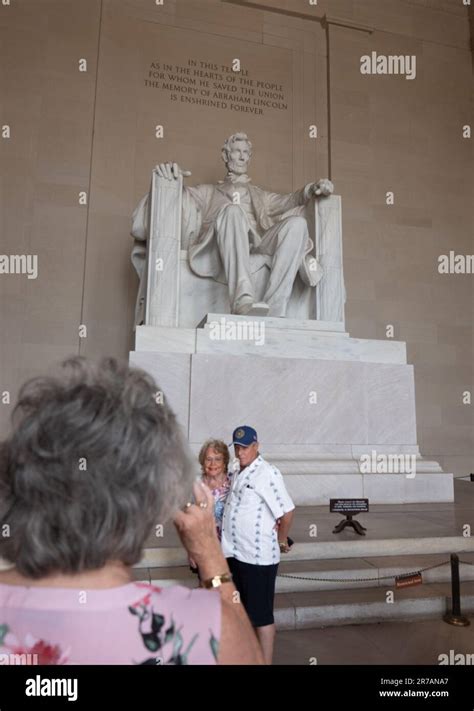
256	585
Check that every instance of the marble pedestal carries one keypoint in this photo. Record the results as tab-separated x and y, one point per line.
321	402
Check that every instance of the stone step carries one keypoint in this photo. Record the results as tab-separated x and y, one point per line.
353	573
335	549
303	610
225	335
299	607
285	324
343	574
319	466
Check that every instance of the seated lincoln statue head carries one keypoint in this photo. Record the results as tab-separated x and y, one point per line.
236	154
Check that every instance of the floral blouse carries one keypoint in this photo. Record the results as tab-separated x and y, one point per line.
220	496
137	623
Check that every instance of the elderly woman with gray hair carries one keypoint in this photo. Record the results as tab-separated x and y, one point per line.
96	461
214	460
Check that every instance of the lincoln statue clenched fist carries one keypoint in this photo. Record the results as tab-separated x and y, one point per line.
235	219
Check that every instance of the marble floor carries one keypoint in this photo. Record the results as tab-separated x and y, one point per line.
410	643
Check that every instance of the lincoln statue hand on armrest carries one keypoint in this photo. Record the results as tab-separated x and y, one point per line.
230	221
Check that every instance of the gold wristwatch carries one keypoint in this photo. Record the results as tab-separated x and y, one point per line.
217	581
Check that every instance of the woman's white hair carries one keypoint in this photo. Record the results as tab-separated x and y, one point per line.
95	461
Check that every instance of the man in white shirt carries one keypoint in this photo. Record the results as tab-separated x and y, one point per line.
252	538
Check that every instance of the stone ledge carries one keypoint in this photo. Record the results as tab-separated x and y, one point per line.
270	342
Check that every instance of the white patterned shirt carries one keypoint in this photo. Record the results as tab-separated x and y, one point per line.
257	498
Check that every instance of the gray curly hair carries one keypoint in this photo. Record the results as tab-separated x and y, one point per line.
228	143
92	464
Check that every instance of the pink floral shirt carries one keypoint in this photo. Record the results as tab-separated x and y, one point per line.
135	623
220	495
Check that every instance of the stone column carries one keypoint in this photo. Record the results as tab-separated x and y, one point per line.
162	292
330	292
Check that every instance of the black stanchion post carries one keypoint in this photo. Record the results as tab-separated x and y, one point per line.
455	617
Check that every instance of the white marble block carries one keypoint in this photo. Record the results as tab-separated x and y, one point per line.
301	401
330	292
319	400
172	373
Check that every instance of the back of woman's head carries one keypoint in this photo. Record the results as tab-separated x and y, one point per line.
95	460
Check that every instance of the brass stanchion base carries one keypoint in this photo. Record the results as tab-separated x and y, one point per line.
456	620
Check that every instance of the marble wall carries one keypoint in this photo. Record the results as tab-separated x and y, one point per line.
94	131
49	106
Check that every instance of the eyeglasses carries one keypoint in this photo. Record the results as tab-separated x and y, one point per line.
210	460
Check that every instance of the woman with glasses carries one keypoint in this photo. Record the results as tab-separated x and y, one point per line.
214	461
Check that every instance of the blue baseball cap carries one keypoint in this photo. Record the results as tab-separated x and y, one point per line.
244	436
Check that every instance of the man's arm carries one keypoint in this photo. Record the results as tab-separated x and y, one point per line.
272	489
284	528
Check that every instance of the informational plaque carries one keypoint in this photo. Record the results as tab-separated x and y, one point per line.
348	506
407	580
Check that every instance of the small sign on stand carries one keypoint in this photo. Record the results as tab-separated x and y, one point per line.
349	507
407	580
